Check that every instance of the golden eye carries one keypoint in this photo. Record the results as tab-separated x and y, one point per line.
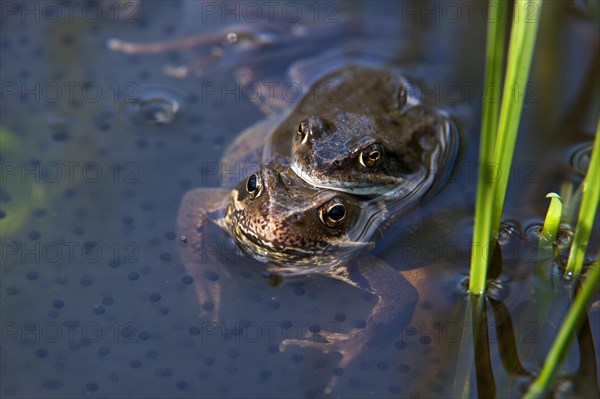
303	130
333	212
254	186
371	156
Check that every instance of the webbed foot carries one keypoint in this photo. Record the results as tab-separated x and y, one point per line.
393	312
348	345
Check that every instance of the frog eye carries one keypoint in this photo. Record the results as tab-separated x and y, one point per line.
333	212
303	130
254	186
371	156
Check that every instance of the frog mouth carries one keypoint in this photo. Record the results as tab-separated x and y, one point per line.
349	187
265	248
294	261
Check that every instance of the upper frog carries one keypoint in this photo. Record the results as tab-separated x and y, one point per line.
357	129
389	154
370	136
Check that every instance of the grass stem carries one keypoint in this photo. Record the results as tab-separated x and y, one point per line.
587	211
522	43
495	59
497	147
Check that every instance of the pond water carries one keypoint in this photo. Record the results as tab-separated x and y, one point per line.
98	147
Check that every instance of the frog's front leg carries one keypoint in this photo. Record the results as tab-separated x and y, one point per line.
392	313
198	208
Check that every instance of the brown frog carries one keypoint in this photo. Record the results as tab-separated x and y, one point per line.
295	228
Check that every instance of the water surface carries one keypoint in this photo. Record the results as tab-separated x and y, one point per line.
95	300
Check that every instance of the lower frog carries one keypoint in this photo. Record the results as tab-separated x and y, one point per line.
293	228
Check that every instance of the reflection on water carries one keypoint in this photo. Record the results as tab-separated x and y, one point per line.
98	148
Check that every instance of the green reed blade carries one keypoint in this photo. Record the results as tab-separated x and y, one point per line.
492	188
496	39
565	336
495	59
522	43
587	211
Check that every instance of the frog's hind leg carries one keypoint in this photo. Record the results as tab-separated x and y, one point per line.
242	37
392	313
198	208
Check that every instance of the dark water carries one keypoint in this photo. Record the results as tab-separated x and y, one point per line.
95	300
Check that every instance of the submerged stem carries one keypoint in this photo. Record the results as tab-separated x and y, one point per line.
565	336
